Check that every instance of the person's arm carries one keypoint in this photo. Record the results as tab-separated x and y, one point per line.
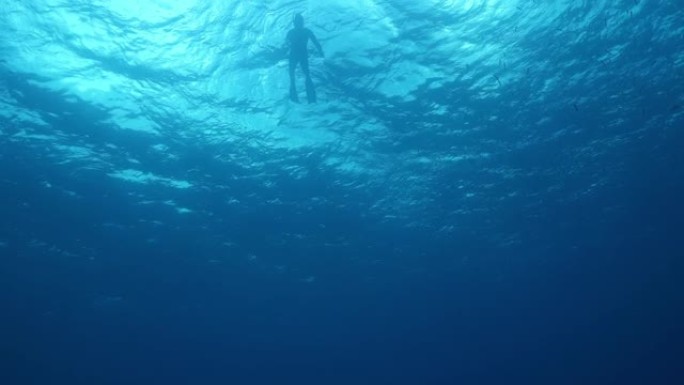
316	43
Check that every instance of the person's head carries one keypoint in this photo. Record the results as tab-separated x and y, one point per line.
298	21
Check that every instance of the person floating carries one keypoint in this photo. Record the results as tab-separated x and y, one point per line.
297	40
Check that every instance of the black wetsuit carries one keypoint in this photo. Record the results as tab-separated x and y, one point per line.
298	39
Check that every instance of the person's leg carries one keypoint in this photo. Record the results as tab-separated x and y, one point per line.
310	90
293	88
304	61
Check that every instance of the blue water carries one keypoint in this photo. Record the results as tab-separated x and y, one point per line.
486	192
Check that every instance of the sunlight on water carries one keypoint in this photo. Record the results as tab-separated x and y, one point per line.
150	11
215	73
487	8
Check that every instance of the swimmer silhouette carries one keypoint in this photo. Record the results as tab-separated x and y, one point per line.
297	39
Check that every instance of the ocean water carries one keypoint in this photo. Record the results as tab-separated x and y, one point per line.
485	192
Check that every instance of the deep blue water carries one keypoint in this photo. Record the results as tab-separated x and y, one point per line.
486	192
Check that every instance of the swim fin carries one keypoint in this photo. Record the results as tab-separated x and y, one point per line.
310	91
